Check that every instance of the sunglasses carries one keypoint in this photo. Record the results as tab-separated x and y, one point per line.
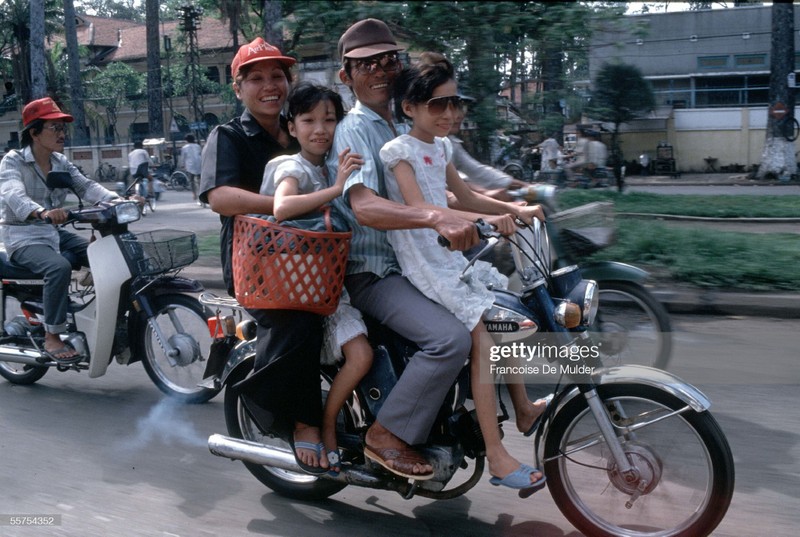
388	62
57	128
438	105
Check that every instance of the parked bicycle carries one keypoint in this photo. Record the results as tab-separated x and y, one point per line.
105	172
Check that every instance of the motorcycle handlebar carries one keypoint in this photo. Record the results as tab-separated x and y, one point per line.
485	231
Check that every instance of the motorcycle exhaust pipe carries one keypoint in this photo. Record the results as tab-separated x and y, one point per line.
19	355
245	450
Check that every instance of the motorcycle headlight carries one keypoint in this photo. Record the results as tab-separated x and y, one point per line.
586	297
127	212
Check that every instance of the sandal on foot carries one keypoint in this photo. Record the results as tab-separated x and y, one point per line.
520	479
334	463
77	357
402	461
538	420
318	448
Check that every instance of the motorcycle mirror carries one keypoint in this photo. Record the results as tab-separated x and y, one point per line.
59	180
62	180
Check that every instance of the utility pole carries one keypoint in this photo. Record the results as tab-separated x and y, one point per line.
190	24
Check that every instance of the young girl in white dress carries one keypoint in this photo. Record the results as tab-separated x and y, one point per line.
300	186
418	172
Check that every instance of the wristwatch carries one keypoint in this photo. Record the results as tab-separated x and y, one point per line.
39	213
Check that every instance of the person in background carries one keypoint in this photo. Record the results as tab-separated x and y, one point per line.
191	159
283	393
25	198
549	151
139	166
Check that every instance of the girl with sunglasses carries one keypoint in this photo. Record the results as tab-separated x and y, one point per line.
418	172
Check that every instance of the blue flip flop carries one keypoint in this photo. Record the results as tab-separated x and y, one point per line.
520	479
334	463
538	420
317	448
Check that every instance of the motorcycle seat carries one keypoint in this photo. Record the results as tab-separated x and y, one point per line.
10	270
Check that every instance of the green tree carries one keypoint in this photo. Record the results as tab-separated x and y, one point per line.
15	39
620	95
113	88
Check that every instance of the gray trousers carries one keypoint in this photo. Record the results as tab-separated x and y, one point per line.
444	342
56	271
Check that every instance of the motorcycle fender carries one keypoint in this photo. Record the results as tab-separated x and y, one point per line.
176	284
246	350
612	270
648	376
109	272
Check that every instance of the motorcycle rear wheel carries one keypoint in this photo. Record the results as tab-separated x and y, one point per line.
632	326
685	463
295	485
20	373
183	321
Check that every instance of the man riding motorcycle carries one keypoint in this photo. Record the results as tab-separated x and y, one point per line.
24	197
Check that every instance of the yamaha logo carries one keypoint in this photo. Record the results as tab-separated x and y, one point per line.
502	326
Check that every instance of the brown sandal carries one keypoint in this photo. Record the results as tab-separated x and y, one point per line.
399	461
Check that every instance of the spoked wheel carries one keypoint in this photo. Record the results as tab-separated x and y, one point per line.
179	181
632	327
182	320
684	474
515	170
297	485
21	373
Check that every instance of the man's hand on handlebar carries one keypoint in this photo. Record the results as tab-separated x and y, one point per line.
55	216
459	234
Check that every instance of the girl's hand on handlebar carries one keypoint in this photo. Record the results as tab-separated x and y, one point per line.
138	199
503	223
529	212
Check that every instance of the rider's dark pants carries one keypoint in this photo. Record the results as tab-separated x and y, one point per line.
286	380
56	271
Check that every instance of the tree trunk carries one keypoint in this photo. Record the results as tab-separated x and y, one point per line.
778	159
155	112
79	130
38	76
272	14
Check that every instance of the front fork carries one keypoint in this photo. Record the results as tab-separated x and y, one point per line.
143	300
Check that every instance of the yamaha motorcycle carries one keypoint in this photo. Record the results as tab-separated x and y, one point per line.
626	450
129	305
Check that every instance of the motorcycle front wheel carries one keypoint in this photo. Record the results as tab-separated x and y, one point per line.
684	468
183	322
296	485
632	327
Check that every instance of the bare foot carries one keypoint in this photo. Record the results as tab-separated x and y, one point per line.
394	454
311	435
527	415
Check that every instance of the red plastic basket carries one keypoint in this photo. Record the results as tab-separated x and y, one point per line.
279	267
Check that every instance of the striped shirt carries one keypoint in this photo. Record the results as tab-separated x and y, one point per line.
364	132
23	191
